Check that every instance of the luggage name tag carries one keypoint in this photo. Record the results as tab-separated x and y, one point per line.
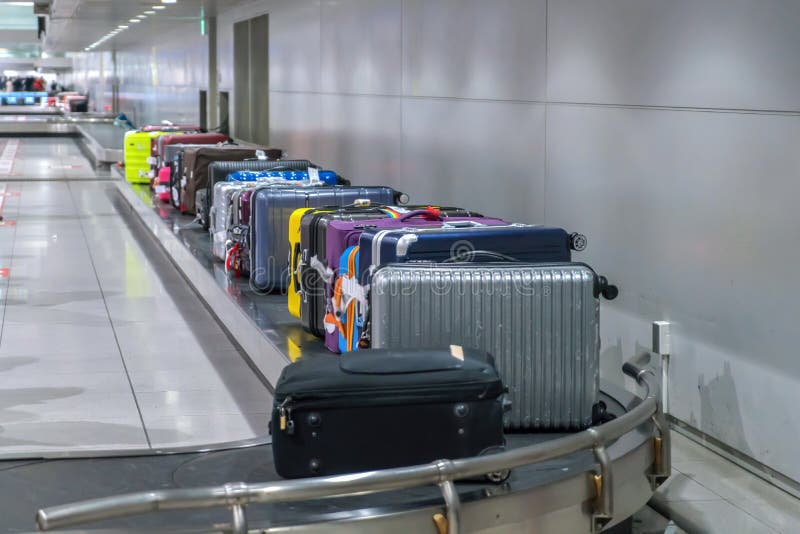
313	176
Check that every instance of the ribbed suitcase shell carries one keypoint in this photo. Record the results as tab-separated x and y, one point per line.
270	209
218	171
540	322
136	154
222	214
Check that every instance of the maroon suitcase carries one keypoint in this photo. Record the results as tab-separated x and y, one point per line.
197	160
158	144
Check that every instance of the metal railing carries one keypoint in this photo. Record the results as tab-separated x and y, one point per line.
443	473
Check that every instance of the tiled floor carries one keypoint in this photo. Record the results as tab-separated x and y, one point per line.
103	346
49	158
710	494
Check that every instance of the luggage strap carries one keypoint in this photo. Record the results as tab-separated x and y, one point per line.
325	272
349	300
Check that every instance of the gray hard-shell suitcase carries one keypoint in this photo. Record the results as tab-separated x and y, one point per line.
219	171
270	209
541	322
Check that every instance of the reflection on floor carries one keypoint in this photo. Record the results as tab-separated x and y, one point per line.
103	346
710	494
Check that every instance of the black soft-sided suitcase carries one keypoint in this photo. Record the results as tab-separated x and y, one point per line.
377	409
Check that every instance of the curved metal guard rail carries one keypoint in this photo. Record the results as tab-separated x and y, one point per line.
441	473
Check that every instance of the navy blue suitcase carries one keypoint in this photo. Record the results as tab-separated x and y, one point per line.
465	241
270	209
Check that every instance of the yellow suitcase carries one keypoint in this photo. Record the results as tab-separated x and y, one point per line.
294	296
137	153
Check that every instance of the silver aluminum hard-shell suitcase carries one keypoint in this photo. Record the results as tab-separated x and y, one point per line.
220	215
539	321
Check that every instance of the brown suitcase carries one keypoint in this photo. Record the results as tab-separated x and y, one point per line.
197	160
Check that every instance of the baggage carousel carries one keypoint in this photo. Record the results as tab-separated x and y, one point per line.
100	140
588	481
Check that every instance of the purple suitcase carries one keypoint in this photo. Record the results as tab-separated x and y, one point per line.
238	259
343	234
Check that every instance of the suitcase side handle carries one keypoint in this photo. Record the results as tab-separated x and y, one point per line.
463	224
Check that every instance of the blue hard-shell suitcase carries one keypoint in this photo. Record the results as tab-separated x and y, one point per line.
270	209
326	177
466	241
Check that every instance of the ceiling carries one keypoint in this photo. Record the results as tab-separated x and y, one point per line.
76	24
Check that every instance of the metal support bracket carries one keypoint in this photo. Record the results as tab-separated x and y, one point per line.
662	451
453	505
604	485
239	524
235	494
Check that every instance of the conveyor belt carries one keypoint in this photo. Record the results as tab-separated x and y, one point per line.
100	140
555	494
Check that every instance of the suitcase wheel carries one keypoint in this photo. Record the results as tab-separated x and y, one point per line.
496	477
577	242
600	414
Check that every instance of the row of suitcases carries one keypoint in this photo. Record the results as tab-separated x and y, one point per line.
439	295
360	271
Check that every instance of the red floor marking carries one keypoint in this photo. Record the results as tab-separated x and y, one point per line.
5	272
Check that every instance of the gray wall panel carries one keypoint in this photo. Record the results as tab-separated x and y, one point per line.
362	47
360	138
295	124
475	49
711	53
693	213
487	156
294	51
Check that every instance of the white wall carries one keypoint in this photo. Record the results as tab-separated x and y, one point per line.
665	131
160	79
93	74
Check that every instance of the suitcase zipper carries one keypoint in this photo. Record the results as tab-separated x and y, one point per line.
332	399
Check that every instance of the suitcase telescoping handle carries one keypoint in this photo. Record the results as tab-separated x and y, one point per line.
472	255
296	281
